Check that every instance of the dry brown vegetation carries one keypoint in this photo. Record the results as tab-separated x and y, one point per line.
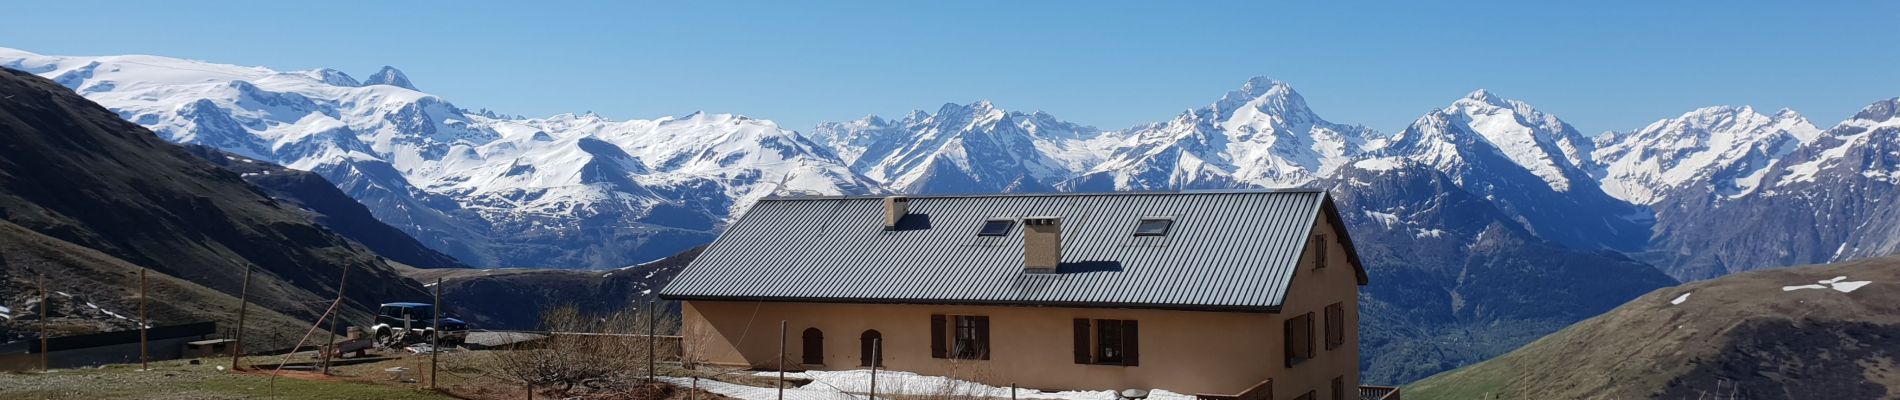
597	353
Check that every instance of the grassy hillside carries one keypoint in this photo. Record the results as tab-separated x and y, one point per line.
89	287
1742	336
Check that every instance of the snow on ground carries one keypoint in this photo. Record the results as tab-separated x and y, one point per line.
1679	299
835	385
1837	283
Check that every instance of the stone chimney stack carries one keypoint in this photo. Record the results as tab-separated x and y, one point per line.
895	207
1042	243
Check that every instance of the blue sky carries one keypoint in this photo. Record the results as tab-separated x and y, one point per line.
1109	64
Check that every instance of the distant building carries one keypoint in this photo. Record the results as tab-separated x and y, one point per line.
1242	294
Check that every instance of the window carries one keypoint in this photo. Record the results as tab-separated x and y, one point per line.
1299	339
996	227
1307	396
960	336
1317	245
1107	342
870	348
1154	226
1339	388
1335	326
814	353
966	345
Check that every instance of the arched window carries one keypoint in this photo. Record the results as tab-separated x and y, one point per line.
814	346
870	346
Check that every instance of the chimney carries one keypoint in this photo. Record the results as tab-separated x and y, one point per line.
895	207
1042	243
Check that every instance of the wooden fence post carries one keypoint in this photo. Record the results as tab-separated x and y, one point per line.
781	360
877	345
44	366
335	314
435	340
244	302
144	357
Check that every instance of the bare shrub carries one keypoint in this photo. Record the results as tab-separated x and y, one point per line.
603	353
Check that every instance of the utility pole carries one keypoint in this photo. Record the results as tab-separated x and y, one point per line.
335	312
781	359
43	317
144	357
244	301
435	340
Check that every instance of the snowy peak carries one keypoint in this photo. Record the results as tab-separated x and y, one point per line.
964	148
390	76
1723	149
1483	124
1880	111
1261	135
333	77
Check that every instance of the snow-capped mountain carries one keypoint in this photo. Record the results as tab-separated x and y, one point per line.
1727	147
1531	164
973	148
490	190
1831	199
1262	135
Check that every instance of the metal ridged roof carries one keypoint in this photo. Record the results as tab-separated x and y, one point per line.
1226	250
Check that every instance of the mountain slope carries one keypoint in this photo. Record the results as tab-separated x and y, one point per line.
515	298
1261	135
1529	163
1829	331
331	208
973	148
1728	148
74	171
1462	282
91	292
1835	191
487	189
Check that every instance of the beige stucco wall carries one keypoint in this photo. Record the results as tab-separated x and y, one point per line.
1181	351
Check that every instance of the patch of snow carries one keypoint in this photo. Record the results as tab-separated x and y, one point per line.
1837	283
1386	219
4	309
1429	233
1680	299
646	292
1850	287
851	384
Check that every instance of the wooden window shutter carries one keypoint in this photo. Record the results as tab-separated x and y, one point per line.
982	338
938	327
1291	352
1131	343
1319	251
1339	388
1308	326
1082	341
1335	326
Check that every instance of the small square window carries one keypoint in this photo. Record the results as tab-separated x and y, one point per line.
996	227
1154	226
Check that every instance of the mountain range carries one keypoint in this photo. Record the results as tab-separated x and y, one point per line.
1495	222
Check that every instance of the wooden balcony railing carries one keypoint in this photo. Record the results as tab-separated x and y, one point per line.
1259	391
1378	393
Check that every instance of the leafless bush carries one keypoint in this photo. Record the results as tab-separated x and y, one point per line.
604	353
